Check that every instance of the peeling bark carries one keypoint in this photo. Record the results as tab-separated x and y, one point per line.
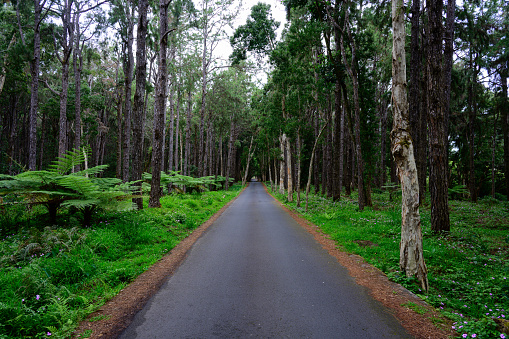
411	253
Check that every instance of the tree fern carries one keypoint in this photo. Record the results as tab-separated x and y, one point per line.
58	188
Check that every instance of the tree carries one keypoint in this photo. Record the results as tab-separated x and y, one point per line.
215	17
139	95
416	117
65	40
160	106
34	88
411	259
438	181
258	35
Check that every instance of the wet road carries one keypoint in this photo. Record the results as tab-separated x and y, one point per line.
257	273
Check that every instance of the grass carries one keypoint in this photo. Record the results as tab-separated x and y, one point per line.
53	277
468	269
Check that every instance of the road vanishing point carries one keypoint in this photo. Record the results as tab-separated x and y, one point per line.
256	273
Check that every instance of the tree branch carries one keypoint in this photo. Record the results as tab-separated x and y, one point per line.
167	32
44	81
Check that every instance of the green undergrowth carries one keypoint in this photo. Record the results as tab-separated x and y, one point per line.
53	277
468	269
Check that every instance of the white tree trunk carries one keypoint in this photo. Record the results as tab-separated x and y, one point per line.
249	155
289	169
411	254
282	140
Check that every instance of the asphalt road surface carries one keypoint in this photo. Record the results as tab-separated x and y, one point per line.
257	273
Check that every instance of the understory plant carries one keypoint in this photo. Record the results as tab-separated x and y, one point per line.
63	187
51	278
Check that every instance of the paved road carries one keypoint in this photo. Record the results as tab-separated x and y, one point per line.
257	273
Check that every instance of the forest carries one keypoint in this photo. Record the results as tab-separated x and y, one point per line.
117	105
74	74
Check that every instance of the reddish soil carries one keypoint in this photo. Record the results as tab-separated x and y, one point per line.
116	314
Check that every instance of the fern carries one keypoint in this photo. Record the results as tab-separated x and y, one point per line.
82	190
71	159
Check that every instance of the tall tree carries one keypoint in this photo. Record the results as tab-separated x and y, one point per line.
34	72
160	106
122	14
215	17
414	95
66	40
411	259
139	95
438	180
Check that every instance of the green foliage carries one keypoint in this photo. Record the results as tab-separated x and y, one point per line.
52	279
258	35
468	270
179	181
55	188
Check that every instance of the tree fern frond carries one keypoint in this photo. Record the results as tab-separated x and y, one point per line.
92	171
69	160
80	203
82	185
106	182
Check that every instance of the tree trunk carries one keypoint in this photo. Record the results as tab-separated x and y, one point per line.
229	166
66	43
128	71
471	128
316	164
338	143
77	63
34	71
139	97
188	134
289	169
282	141
383	142
505	127
249	156
3	71
448	62
411	253
299	166
43	140
351	68
311	162
438	180
493	158
172	117
160	107
414	97
423	150
119	138
203	88
177	134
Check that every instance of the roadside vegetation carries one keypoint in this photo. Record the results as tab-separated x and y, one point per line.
52	275
468	269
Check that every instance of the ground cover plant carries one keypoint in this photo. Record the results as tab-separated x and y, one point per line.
468	269
51	277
